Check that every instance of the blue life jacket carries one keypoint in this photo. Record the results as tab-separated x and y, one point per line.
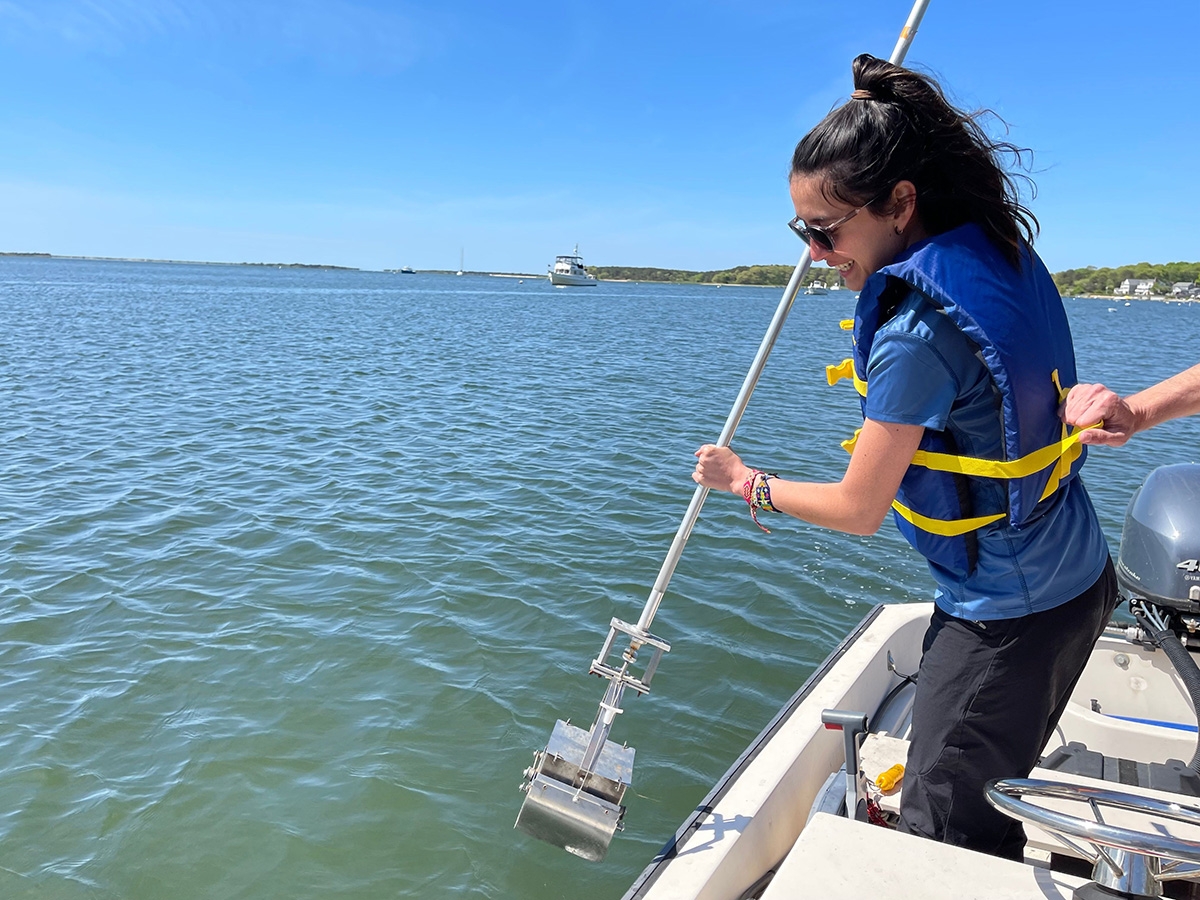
1017	320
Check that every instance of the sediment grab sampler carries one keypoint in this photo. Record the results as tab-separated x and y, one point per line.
575	787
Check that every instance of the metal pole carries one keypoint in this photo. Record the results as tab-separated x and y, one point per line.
756	368
908	32
564	804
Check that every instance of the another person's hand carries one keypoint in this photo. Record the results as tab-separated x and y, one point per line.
1091	404
720	469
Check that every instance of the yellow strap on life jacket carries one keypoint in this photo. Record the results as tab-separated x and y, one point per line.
1061	454
848	443
945	527
1071	453
1030	464
955	527
845	369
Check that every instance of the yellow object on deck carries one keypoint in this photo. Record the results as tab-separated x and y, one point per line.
890	778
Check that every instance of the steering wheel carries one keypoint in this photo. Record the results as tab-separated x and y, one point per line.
1115	870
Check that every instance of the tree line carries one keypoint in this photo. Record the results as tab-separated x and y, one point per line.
1072	282
757	275
1092	280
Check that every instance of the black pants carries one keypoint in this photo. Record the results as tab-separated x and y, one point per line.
989	696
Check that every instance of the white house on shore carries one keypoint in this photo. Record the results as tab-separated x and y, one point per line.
1138	287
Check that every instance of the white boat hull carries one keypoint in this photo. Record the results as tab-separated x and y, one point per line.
564	280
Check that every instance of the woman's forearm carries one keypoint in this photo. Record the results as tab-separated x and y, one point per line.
857	504
830	505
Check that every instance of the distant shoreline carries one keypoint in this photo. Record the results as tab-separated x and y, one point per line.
271	265
522	275
1161	298
179	262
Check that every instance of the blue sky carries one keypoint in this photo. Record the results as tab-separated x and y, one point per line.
381	134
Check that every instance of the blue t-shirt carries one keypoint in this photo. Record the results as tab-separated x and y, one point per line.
924	371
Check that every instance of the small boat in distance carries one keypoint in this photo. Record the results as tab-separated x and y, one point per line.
461	256
817	287
407	270
569	270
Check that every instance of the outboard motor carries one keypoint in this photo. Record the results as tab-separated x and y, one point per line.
1159	561
1158	569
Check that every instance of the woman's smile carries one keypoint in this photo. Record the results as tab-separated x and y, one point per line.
862	244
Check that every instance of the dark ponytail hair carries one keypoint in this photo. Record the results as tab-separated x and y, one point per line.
901	127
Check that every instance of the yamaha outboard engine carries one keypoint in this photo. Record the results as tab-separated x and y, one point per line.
1159	560
1158	569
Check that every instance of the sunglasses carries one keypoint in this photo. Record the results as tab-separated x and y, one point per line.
822	235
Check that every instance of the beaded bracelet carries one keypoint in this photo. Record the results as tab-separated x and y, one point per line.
758	495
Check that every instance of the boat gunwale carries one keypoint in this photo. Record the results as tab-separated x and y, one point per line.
655	868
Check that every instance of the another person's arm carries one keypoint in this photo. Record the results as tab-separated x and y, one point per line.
1121	418
857	504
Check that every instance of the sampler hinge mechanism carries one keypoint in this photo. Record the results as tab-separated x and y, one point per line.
620	670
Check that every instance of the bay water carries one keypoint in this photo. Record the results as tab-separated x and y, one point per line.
298	567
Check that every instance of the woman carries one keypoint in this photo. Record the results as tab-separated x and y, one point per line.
962	351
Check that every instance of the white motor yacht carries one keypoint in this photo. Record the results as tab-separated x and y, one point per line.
569	271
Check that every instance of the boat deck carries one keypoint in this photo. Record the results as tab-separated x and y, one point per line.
753	828
836	857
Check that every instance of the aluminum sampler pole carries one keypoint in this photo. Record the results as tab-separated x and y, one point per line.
575	787
907	33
